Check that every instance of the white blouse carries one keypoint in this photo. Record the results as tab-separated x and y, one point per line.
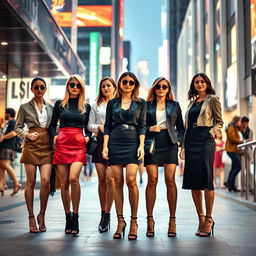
161	118
97	116
42	117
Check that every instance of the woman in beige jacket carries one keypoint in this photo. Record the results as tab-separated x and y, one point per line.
202	119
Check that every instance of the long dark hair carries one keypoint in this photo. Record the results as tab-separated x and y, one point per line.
135	91
234	121
152	92
100	96
192	93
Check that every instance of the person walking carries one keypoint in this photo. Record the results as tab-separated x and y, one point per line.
164	125
8	153
124	135
70	145
202	120
37	152
107	90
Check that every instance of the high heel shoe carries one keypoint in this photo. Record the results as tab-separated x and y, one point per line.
200	225
16	189
132	235
105	224
68	226
2	192
41	224
102	214
32	224
208	230
172	227
118	235
150	227
75	225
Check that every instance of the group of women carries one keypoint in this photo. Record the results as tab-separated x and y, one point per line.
129	130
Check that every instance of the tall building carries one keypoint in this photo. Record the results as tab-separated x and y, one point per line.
176	11
218	37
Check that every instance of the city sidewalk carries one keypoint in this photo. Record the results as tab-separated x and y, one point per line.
235	228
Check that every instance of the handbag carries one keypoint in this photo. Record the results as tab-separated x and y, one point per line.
91	145
149	145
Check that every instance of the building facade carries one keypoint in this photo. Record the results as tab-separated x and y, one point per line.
218	38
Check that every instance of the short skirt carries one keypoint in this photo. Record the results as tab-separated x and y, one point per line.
165	151
123	146
199	156
97	154
7	154
70	146
40	151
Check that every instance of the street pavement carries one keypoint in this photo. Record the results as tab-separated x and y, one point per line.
235	227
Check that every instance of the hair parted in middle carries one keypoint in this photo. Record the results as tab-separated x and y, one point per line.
100	96
192	93
135	91
81	98
152	93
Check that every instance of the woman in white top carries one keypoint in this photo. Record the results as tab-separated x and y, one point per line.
107	90
165	126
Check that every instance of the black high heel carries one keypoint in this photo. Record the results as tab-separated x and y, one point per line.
75	227
105	225
150	233
68	226
118	235
102	214
132	236
200	225
208	233
172	228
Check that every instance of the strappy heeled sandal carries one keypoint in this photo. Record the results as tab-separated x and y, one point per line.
41	225
150	226
172	227
118	235
32	226
210	230
200	225
133	236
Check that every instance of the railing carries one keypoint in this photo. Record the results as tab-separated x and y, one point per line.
245	147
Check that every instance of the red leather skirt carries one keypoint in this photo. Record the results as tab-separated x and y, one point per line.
70	146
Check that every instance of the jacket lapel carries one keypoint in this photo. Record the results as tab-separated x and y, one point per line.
49	113
205	104
117	107
152	111
34	110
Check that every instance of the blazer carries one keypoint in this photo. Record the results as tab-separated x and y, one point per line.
233	139
210	114
175	124
27	115
136	116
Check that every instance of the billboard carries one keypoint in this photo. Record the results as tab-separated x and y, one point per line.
87	16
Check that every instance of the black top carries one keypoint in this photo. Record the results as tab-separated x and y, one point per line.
174	120
135	115
124	113
9	143
194	113
69	116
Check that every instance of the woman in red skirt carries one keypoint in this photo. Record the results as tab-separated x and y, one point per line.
70	145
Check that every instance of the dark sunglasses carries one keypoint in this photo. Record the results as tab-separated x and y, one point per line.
73	85
37	87
125	82
159	86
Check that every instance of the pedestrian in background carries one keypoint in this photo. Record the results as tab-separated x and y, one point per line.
107	90
233	139
164	125
70	145
124	134
8	153
37	152
202	120
218	165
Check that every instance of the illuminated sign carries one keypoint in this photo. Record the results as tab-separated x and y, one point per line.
86	16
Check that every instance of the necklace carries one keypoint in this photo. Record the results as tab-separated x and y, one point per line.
126	102
199	102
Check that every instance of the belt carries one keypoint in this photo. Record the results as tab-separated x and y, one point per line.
126	127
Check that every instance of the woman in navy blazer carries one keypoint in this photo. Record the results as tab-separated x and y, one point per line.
165	125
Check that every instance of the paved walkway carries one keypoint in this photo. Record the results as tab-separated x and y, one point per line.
235	228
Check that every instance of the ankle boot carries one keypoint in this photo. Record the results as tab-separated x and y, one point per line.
102	215
105	224
68	227
75	227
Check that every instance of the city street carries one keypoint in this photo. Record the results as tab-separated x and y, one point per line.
235	228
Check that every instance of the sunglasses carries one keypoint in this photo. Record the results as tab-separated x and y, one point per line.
159	86
73	85
37	87
125	82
